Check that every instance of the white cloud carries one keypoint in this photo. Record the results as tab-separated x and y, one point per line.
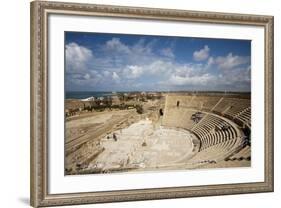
230	61
141	47
202	54
198	80
106	73
77	56
159	67
132	72
167	52
120	54
210	62
117	65
87	76
115	45
115	77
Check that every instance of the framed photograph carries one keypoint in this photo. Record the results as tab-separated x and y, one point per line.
142	103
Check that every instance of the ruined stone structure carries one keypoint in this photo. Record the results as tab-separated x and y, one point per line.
222	124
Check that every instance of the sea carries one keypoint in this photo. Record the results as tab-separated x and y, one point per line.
86	94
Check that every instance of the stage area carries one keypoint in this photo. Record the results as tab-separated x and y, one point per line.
143	145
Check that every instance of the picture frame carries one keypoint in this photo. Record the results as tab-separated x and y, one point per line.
40	89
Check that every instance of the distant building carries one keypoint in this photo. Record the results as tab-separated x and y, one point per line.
100	98
115	100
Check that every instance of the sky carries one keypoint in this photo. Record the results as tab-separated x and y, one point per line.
120	62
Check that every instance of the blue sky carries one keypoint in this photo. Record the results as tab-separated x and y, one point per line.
117	62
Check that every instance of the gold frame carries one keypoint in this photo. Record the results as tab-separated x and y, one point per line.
39	103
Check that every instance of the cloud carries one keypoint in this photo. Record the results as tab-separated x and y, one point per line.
77	56
142	47
202	54
132	72
197	80
115	45
115	77
143	66
167	52
159	67
230	61
87	76
210	62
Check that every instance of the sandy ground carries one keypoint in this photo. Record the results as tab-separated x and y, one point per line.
142	146
79	131
83	134
141	142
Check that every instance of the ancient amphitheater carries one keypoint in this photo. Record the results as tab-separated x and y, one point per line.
182	131
223	127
